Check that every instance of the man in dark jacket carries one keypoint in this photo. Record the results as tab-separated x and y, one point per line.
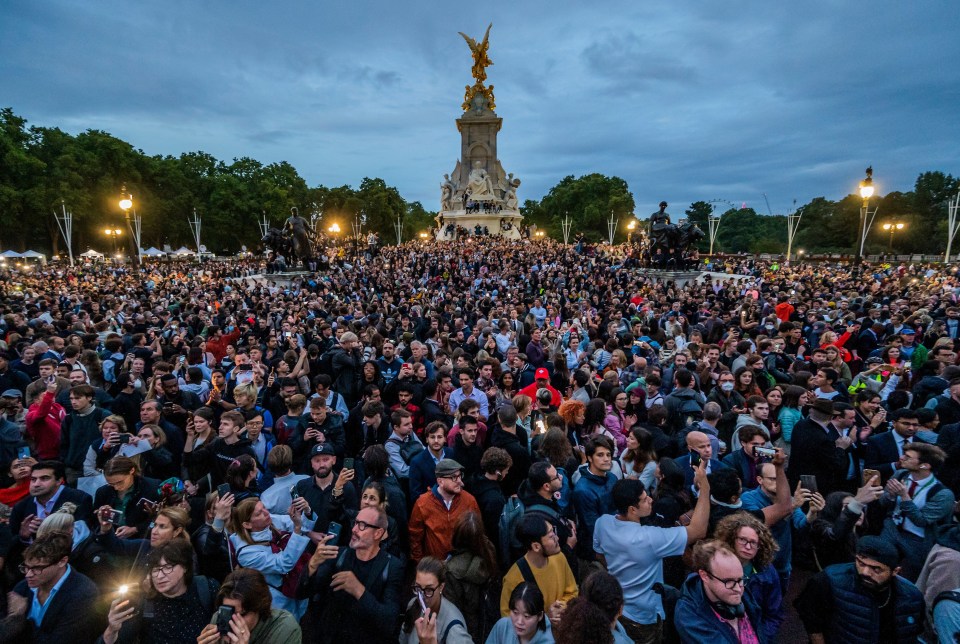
819	450
355	591
713	606
423	466
485	488
466	448
856	602
592	494
57	602
743	461
347	363
79	429
684	404
47	494
511	437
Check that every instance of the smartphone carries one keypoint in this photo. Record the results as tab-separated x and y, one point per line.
348	463
694	459
123	439
223	490
183	359
334	529
113	516
224	615
765	452
294	495
809	482
869	474
423	603
23	452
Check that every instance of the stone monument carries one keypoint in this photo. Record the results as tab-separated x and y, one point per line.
479	196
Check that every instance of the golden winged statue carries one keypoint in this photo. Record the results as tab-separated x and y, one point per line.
480	59
480	62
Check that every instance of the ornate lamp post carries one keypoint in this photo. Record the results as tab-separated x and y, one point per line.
113	234
866	215
126	205
892	228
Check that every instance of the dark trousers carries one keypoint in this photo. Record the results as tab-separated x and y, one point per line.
643	633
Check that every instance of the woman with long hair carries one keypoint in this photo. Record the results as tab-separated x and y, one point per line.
170	524
616	420
94	367
556	448
755	547
870	412
574	416
86	555
156	462
593	421
428	587
792	400
604	591
527	622
639	459
242	477
274	544
745	383
834	532
111	429
835	360
20	469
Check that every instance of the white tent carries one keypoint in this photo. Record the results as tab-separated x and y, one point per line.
10	254
92	254
32	254
154	252
183	250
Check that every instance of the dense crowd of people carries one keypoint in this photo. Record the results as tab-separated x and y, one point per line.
479	441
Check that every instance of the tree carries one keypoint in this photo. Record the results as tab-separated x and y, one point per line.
589	201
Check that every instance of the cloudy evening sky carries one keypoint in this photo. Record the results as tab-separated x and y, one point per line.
685	100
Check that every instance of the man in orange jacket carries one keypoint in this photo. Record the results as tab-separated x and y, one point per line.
436	512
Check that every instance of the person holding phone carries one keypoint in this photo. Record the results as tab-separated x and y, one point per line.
246	596
428	601
174	606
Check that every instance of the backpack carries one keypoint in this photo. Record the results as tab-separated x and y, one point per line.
408	449
513	511
687	413
290	581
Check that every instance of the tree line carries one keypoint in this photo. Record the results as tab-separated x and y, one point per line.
40	166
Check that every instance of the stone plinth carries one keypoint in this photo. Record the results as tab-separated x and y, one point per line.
469	220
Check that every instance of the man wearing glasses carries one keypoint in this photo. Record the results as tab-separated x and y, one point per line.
436	512
355	590
712	606
56	602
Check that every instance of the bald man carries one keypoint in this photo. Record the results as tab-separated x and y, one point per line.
698	442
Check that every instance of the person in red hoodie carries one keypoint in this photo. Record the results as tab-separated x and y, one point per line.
217	341
43	423
542	381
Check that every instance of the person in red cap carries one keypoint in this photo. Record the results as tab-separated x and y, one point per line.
541	380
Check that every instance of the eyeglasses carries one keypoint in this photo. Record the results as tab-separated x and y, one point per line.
363	526
165	570
454	477
427	591
33	570
748	543
729	584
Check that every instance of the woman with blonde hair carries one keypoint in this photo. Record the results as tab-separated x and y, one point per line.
755	547
524	406
86	555
170	524
274	544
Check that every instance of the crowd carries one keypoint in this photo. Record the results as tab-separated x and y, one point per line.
479	441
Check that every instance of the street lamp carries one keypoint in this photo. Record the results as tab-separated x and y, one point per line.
866	217
539	234
334	228
892	228
126	205
632	226
423	236
113	234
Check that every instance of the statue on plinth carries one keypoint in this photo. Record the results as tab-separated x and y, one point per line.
510	196
479	185
446	193
479	94
669	239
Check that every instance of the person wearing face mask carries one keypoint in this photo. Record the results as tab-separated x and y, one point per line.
863	601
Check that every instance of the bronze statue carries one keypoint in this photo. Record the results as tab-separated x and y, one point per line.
479	94
669	237
296	226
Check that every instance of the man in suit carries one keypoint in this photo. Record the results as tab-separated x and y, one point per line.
700	443
47	494
819	450
57	603
884	450
844	423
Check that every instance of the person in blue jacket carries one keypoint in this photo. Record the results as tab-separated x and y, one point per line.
423	466
755	547
592	493
713	606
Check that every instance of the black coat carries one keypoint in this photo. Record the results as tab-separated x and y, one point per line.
72	615
518	454
813	451
881	452
27	506
136	515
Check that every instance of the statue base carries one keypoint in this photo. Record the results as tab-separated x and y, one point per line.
493	221
285	279
682	278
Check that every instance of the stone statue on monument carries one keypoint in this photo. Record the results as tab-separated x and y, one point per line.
479	186
297	228
510	197
446	193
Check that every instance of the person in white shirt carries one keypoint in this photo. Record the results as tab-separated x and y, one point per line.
634	553
277	497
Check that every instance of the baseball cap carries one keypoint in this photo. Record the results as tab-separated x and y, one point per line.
541	373
322	448
11	393
907	331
